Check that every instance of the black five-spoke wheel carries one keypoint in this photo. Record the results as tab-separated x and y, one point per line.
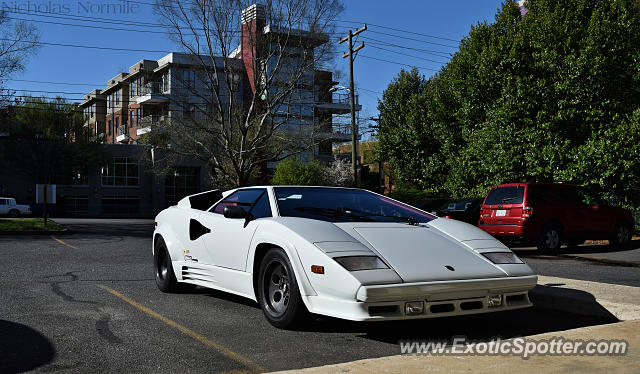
278	292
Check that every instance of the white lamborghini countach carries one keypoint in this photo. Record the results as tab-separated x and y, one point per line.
339	252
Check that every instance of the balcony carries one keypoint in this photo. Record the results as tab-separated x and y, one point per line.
148	123
339	103
122	134
151	93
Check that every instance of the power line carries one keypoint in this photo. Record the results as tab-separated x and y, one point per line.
60	83
398	63
426	51
406	54
87	46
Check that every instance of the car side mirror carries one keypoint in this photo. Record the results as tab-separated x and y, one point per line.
234	211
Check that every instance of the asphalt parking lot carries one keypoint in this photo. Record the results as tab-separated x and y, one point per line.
87	302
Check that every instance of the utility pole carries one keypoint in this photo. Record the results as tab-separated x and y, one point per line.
354	131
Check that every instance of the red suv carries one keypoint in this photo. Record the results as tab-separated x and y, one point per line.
550	214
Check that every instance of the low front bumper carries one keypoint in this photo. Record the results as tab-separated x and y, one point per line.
441	299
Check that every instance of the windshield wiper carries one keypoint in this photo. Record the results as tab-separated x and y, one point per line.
509	199
410	220
328	212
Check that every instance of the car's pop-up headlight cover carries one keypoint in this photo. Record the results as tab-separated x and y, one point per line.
355	263
502	257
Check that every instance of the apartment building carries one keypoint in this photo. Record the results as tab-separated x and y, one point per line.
175	87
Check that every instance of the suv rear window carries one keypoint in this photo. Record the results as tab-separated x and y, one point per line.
505	195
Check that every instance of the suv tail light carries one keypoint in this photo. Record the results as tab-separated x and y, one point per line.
527	212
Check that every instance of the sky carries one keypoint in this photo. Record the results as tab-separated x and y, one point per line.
400	34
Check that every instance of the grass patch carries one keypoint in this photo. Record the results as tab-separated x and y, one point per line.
28	224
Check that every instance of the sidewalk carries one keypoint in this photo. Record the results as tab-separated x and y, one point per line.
410	364
629	257
580	297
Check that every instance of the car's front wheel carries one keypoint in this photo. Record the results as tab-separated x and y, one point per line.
14	213
278	292
165	277
550	239
620	236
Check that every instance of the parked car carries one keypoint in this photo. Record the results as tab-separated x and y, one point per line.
550	214
340	252
9	207
465	210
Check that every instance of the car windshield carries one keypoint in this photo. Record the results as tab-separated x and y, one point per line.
344	205
457	205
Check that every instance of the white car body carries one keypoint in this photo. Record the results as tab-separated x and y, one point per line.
8	205
439	263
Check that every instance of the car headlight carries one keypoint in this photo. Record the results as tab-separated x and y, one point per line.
355	263
502	257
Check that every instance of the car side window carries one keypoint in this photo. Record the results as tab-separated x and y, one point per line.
242	198
588	198
568	195
261	208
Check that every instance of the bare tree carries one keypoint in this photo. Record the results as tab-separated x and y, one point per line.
18	40
250	100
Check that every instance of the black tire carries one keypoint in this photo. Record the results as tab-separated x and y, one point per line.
550	239
621	236
165	277
278	292
13	213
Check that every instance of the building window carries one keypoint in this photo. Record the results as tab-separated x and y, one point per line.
91	110
117	94
109	101
75	203
132	89
121	171
109	128
120	204
138	116
117	122
189	78
182	182
131	118
165	82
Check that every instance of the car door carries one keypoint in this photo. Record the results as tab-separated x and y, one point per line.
4	208
227	243
571	212
596	215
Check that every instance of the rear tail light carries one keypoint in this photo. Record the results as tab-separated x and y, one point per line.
527	212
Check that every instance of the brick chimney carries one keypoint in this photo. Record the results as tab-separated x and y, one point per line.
253	21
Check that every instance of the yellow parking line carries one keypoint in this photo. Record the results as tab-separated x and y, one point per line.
211	344
63	243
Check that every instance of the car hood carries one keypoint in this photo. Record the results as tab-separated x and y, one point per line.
423	253
440	250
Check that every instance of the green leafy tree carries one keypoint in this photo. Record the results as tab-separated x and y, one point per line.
550	96
291	171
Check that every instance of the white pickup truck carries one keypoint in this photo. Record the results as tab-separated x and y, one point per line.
9	207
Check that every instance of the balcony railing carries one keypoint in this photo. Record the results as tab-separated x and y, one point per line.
122	134
151	88
148	123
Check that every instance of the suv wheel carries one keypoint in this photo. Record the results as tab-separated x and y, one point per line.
14	213
550	239
620	236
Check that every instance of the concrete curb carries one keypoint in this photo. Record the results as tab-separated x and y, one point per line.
603	260
587	298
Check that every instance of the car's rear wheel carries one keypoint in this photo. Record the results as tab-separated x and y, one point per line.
620	236
13	213
550	239
278	292
165	277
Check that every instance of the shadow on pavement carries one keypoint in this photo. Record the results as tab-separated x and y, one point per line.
482	327
23	348
109	231
526	250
